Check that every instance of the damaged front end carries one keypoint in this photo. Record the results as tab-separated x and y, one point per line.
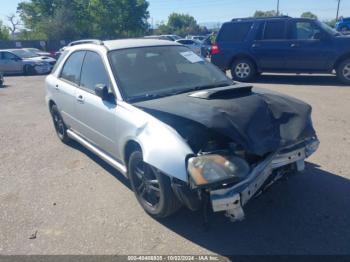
232	196
243	140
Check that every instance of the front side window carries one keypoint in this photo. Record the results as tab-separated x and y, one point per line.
93	72
275	30
72	67
149	72
305	31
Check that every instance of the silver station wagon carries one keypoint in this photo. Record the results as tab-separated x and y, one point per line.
179	129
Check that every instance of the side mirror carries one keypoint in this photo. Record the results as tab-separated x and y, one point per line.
101	90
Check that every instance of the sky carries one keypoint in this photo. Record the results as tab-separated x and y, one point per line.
213	11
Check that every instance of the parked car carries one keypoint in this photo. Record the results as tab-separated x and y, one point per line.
200	38
281	44
164	37
175	125
1	79
14	61
343	25
194	45
38	52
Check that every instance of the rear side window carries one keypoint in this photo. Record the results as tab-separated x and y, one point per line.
93	72
235	32
72	67
275	30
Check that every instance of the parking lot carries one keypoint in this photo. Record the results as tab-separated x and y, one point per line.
71	202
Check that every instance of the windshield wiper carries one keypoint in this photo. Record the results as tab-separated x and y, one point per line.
144	97
177	92
196	88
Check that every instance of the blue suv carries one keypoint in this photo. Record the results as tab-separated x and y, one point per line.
343	25
251	46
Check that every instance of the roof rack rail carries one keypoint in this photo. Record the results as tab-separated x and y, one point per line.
262	17
86	41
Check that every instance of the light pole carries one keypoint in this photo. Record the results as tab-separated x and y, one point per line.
338	10
278	7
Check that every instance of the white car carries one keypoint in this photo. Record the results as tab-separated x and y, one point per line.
15	61
175	125
194	45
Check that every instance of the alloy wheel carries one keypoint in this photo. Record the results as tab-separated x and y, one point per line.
346	71
146	185
242	70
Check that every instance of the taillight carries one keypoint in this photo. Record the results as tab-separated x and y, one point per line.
215	49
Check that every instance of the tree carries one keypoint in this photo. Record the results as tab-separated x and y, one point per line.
260	13
14	24
182	24
74	19
119	18
309	15
4	32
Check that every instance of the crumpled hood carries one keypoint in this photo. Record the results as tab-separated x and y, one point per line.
259	120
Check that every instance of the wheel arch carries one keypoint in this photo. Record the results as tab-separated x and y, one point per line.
130	147
340	60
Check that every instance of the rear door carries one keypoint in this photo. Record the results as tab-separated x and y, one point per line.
65	88
308	50
270	47
97	121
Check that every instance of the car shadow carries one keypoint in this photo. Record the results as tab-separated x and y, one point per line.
107	167
314	80
306	213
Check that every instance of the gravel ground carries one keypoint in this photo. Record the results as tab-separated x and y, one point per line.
75	203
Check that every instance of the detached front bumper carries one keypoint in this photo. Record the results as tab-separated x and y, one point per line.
234	198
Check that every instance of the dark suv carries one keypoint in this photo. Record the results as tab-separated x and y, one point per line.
281	44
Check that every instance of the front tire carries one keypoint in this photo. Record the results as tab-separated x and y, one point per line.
243	70
152	188
60	127
29	70
343	71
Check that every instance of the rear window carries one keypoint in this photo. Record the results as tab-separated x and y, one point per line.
275	30
234	32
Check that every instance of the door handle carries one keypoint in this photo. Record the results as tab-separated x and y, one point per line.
294	45
80	98
255	45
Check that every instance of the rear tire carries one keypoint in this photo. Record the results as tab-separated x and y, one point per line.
343	71
152	188
243	70
60	127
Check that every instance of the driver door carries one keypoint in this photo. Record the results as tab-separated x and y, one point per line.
308	50
9	63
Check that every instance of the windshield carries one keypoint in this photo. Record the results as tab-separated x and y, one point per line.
24	53
151	72
328	29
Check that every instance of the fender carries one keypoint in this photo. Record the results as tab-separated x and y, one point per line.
162	147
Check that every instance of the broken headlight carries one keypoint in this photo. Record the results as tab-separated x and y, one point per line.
210	169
